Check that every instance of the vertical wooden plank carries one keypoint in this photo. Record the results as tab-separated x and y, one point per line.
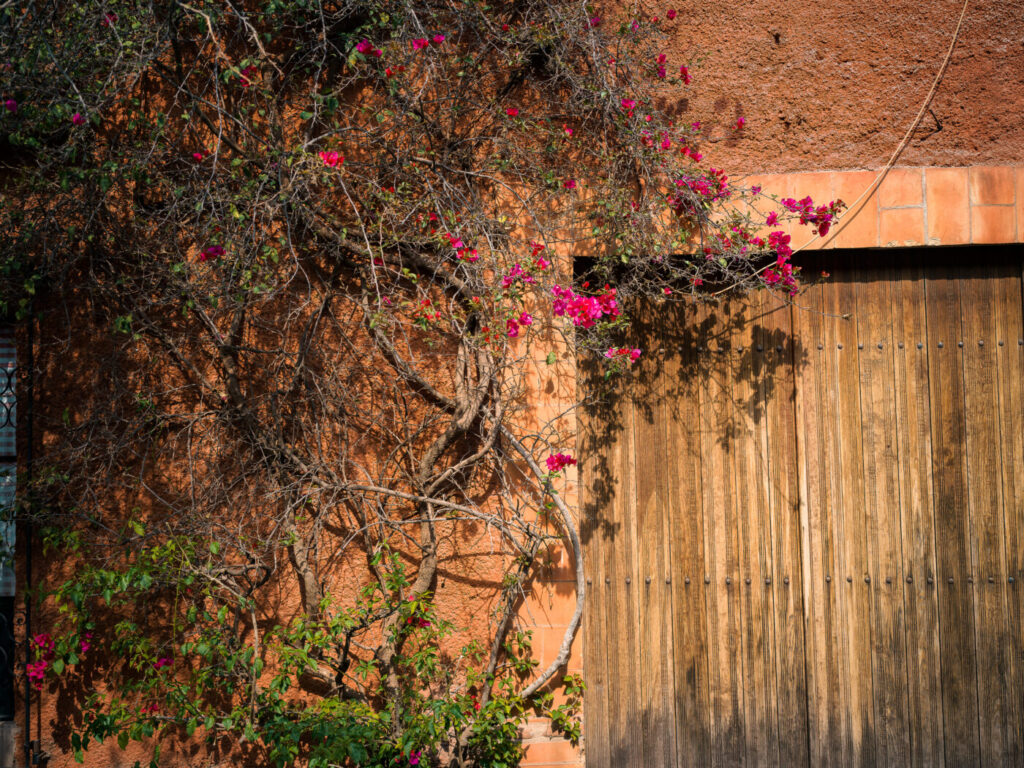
720	537
621	620
685	491
1010	372
627	589
753	518
985	505
653	556
882	516
779	390
952	526
593	471
913	432
825	709
846	489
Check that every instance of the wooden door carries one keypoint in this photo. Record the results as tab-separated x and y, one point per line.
805	525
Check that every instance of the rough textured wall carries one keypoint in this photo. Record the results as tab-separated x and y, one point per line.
835	85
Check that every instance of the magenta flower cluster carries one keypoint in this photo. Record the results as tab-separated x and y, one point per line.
513	324
211	252
558	461
584	311
517	274
618	353
821	216
366	48
44	648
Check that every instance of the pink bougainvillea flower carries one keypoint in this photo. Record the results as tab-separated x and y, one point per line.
526	319
512	328
558	461
772	220
628	103
162	662
248	75
569	183
438	39
517	273
11	105
684	73
594	21
420	43
212	252
77	119
567	129
820	217
756	189
366	48
151	708
45	650
414	757
662	69
331	159
584	311
671	14
667	291
632	355
198	156
779	242
740	122
512	112
108	19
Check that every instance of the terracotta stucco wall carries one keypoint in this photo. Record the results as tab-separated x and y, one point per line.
835	85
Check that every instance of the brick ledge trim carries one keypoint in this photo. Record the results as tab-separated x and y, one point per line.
912	206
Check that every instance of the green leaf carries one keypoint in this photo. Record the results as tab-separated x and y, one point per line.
551	358
122	739
306	115
215	547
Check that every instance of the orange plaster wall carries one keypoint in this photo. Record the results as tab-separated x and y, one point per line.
835	85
